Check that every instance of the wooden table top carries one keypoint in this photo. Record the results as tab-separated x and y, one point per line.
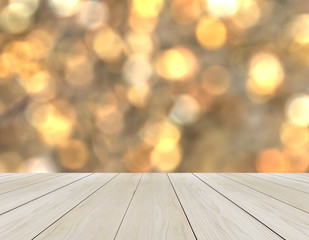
154	206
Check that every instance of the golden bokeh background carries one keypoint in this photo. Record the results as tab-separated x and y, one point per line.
154	86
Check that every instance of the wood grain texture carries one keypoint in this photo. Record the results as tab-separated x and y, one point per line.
290	183
287	195
297	177
78	206
32	218
27	180
155	212
9	200
213	216
289	222
14	177
104	210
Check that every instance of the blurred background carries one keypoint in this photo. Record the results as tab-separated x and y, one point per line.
154	86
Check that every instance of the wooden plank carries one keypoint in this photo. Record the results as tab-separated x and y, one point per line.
212	216
290	196
155	212
26	181
305	175
29	220
13	177
293	176
100	215
13	199
285	220
6	174
294	184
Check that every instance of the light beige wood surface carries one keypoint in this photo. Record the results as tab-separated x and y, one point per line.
154	206
31	179
9	201
15	177
290	183
6	174
287	195
212	215
155	212
32	218
289	222
297	177
104	210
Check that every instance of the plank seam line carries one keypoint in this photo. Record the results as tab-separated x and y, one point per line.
7	174
34	183
44	195
265	194
16	179
240	207
277	183
288	178
182	206
128	206
75	206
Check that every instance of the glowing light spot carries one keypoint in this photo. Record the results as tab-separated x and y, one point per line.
150	133
54	122
137	70
299	29
167	155
5	69
36	83
16	18
248	14
166	160
299	160
138	95
210	33
108	45
55	129
265	75
186	11
216	79
93	14
65	8
40	164
139	43
165	145
222	8
143	15
294	137
176	64
142	25
18	53
146	8
73	154
170	131
272	160
297	110
186	110
297	36
31	4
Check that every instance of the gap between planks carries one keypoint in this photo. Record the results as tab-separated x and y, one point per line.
174	191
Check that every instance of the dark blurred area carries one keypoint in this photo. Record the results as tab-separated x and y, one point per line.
154	86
